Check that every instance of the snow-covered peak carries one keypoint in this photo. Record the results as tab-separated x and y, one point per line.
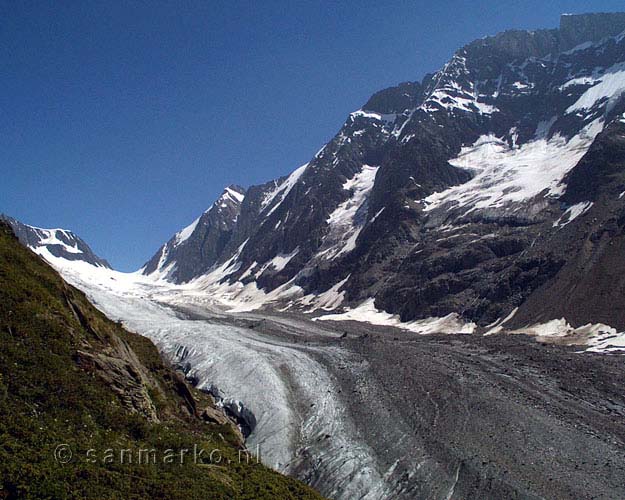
199	244
231	198
60	243
232	195
415	185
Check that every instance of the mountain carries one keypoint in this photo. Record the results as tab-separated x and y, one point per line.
198	246
464	194
488	197
72	381
59	243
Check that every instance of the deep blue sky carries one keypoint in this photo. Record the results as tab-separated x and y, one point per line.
122	121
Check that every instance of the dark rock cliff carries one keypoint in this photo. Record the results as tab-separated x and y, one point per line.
435	197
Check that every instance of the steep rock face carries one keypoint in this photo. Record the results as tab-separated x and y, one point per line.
517	44
194	249
435	196
395	99
288	217
58	242
578	29
590	238
465	237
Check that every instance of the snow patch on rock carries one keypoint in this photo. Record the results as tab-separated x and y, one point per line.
598	337
281	191
368	313
505	176
347	220
186	233
327	301
51	237
572	213
606	84
382	117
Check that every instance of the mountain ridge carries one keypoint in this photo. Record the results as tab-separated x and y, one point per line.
59	243
436	198
423	156
365	318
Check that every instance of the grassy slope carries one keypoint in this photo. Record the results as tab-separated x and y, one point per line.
48	397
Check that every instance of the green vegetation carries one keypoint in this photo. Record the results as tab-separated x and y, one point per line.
57	387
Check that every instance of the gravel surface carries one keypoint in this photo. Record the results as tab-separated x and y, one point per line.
466	416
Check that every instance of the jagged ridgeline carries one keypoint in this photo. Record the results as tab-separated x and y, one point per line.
69	376
448	196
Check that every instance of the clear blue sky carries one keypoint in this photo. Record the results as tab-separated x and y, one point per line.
122	121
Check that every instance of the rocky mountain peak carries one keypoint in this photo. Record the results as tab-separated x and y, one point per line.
201	243
576	29
234	193
516	44
432	193
396	99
